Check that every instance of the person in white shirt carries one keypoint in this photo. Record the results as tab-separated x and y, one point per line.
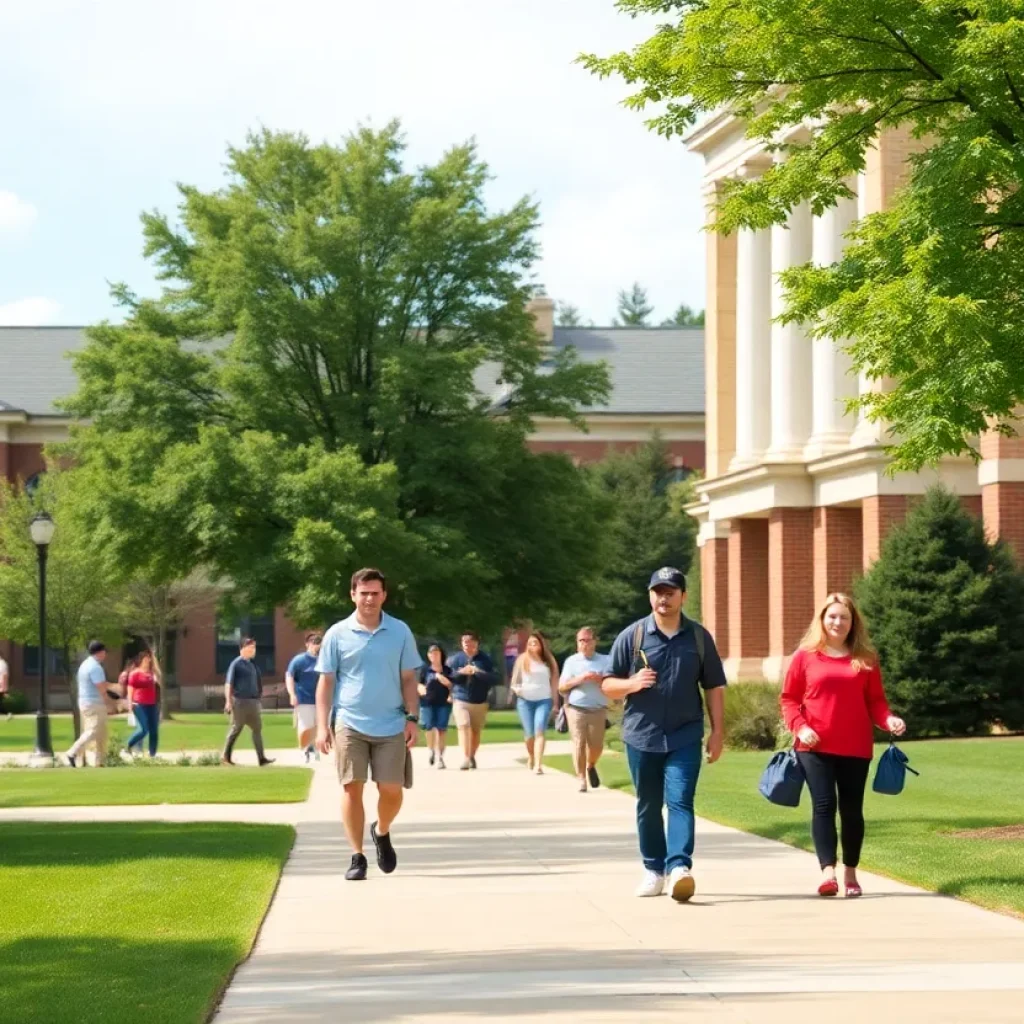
535	685
5	679
92	703
586	708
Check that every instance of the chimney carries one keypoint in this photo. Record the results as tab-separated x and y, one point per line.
542	309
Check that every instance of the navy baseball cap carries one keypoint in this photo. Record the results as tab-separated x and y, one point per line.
668	577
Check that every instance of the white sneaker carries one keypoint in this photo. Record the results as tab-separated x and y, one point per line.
681	885
652	884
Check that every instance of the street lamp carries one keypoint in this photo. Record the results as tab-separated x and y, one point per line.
41	528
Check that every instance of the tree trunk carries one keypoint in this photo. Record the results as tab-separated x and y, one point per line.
72	677
161	653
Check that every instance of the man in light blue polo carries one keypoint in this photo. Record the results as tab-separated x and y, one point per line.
368	669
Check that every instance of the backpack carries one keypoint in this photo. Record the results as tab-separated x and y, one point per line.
891	773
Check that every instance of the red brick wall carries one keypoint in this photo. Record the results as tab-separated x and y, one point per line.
838	550
880	514
748	588
691	452
23	460
972	504
790	577
714	591
5	456
1003	506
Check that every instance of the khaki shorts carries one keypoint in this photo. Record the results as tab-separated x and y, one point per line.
357	756
305	717
470	716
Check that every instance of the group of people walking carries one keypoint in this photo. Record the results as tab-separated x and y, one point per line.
361	691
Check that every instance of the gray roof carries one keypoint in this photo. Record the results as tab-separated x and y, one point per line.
34	372
654	371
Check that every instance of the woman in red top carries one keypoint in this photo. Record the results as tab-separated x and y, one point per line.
831	698
143	681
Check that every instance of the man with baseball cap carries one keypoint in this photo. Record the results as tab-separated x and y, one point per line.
659	665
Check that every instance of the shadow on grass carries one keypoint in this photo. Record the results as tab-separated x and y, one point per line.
88	844
108	979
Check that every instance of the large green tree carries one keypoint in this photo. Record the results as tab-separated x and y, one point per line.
931	291
341	371
684	316
81	573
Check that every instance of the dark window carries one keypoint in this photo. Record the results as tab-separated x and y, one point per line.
33	482
54	666
259	627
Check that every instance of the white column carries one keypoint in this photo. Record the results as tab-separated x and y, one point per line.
866	433
834	382
753	346
791	348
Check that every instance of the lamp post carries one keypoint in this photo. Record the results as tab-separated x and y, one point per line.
41	529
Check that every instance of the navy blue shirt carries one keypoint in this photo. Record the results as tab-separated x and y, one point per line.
437	693
472	689
670	714
245	678
302	668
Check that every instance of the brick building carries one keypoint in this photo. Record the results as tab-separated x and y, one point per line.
797	499
658	384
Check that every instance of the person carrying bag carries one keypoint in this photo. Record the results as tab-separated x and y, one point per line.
830	700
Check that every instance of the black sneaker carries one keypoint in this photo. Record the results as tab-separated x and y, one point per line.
387	859
357	869
431	761
472	763
71	762
595	779
267	760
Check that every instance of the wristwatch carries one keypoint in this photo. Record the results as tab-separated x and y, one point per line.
412	718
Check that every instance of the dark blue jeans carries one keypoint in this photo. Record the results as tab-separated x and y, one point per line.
147	718
661	779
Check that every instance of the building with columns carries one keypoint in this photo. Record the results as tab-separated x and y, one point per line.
797	498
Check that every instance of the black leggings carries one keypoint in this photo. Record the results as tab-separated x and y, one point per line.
827	775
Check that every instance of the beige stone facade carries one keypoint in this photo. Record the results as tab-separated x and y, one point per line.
797	499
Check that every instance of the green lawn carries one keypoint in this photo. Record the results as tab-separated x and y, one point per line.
196	730
123	921
964	785
22	787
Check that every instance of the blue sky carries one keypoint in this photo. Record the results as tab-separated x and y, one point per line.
104	105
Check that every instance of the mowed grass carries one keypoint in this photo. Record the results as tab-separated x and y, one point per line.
206	730
22	787
122	921
964	785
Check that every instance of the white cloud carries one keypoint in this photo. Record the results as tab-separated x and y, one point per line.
29	312
16	214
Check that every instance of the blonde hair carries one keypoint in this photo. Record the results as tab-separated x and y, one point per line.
858	642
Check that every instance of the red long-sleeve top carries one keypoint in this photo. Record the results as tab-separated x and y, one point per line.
837	701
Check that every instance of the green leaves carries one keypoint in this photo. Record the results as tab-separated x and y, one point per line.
929	293
302	399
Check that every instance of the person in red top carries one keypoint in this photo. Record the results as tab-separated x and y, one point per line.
143	681
831	698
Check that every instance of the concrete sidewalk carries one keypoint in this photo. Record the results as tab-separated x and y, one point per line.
513	901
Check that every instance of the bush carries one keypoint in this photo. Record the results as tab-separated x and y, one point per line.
945	608
753	719
15	703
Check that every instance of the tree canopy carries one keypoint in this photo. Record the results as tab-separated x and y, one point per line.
931	290
684	316
340	370
634	308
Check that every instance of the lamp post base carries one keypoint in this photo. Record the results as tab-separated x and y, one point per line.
42	756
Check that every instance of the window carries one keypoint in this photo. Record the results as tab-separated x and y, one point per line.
54	665
230	633
33	482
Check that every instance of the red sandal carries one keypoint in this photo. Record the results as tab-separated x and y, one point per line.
830	887
853	891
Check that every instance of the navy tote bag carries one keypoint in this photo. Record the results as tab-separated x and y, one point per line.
782	781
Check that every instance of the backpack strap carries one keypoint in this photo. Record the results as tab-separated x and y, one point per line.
638	640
